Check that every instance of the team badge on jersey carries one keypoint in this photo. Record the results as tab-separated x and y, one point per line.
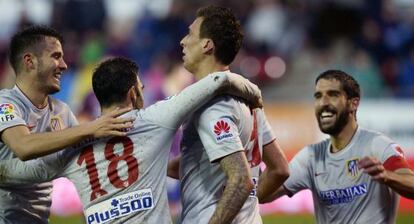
56	123
222	129
7	112
352	168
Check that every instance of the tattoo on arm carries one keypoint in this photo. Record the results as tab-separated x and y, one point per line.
237	189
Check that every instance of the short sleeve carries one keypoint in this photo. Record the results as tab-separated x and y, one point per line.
300	168
394	158
10	114
218	130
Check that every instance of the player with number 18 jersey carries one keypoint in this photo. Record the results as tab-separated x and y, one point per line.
122	179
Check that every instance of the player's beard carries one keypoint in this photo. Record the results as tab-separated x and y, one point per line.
338	125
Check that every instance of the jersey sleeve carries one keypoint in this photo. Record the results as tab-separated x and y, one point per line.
267	132
10	113
15	171
218	130
300	169
394	158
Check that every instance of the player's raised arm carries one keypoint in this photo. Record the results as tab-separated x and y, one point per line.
195	95
15	171
28	145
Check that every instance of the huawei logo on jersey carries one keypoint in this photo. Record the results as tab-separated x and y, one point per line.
222	129
221	126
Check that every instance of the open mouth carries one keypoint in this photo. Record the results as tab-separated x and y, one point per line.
327	116
57	76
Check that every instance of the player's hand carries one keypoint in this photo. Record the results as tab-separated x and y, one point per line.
111	124
374	168
245	89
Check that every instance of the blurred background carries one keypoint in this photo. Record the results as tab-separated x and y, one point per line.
286	45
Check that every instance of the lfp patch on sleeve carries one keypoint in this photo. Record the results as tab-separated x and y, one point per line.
7	112
222	129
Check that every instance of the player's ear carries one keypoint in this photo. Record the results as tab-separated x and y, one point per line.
29	61
132	94
208	46
354	104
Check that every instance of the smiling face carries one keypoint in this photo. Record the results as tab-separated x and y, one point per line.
333	109
50	65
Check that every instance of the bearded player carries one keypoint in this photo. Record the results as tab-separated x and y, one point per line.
357	175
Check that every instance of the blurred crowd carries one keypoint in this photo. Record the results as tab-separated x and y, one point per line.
287	43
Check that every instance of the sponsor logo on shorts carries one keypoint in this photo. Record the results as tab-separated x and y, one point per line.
6	112
352	168
120	206
222	129
345	195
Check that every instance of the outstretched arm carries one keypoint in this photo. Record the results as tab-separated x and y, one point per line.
15	171
276	172
28	145
238	187
400	180
197	94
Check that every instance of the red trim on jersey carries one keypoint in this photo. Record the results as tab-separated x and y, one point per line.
396	162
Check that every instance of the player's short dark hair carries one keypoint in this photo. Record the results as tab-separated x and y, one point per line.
112	79
349	84
29	38
220	25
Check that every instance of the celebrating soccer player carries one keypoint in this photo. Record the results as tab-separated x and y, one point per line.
225	141
354	175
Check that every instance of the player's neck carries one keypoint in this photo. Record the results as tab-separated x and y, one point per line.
106	110
341	140
30	90
209	66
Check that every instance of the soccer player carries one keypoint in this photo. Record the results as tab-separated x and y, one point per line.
356	175
32	122
122	179
225	141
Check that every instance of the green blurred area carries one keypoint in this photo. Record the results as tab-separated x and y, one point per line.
270	219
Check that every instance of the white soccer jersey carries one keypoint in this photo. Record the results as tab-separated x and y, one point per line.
122	179
28	203
223	126
341	192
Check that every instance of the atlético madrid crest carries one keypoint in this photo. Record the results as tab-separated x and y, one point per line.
352	168
56	123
